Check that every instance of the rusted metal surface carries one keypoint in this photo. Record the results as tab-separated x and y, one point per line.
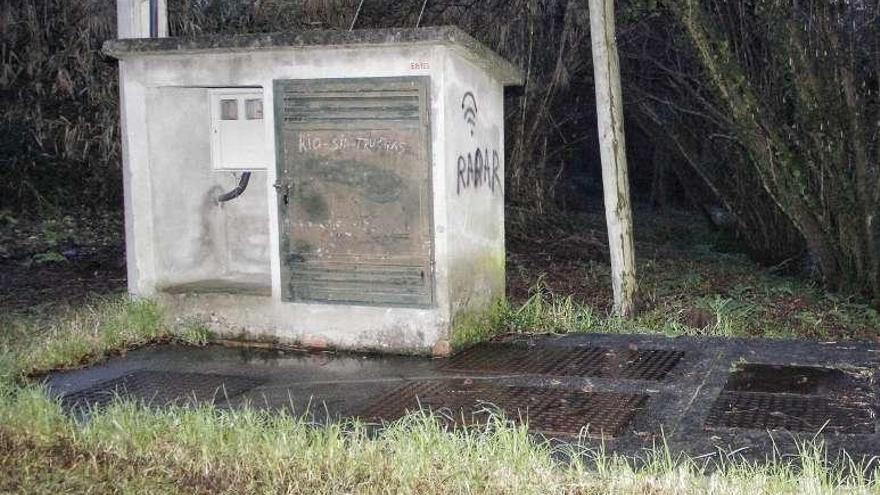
803	380
643	364
763	411
551	411
354	190
795	398
161	388
340	385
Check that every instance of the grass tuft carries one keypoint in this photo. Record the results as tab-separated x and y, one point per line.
542	312
252	451
545	312
87	335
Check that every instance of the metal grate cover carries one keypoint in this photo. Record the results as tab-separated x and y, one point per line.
549	411
758	410
643	364
802	380
161	388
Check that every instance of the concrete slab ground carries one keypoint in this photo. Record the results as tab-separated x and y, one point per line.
628	392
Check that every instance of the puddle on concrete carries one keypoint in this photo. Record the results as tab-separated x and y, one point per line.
276	368
801	380
161	388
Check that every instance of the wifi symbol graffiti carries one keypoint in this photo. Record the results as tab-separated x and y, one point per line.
469	106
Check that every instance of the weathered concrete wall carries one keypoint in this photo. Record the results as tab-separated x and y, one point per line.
194	237
186	237
314	325
176	233
474	177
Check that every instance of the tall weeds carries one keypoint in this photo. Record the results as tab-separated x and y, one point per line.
59	143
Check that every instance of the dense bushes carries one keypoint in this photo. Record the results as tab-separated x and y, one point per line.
797	86
59	143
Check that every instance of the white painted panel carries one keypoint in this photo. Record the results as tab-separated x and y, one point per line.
238	133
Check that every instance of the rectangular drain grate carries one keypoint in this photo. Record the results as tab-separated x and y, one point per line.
161	388
795	398
647	364
767	411
643	364
801	380
549	411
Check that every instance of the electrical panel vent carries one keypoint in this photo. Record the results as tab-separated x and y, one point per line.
354	191
346	107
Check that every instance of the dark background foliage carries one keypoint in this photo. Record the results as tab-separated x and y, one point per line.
762	115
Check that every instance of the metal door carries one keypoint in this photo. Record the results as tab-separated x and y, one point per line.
354	190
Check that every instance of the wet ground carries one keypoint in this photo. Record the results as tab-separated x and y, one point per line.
626	392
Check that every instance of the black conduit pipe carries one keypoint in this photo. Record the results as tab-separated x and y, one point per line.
154	18
242	185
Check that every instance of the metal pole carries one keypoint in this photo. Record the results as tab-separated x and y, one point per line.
154	18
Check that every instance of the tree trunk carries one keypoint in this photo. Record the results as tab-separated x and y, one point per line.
612	145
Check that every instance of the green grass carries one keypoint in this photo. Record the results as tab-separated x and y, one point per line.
31	345
730	296
690	284
129	448
250	451
542	312
742	311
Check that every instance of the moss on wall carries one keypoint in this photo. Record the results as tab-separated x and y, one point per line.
473	326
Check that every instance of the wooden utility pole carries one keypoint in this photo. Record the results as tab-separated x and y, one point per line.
612	145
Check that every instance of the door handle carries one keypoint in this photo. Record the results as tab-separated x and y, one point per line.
282	188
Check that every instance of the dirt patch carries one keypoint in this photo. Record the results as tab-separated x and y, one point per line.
60	261
563	256
27	285
698	318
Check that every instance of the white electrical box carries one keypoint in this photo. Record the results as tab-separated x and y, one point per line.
238	131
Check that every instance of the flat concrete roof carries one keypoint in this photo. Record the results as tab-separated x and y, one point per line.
507	73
